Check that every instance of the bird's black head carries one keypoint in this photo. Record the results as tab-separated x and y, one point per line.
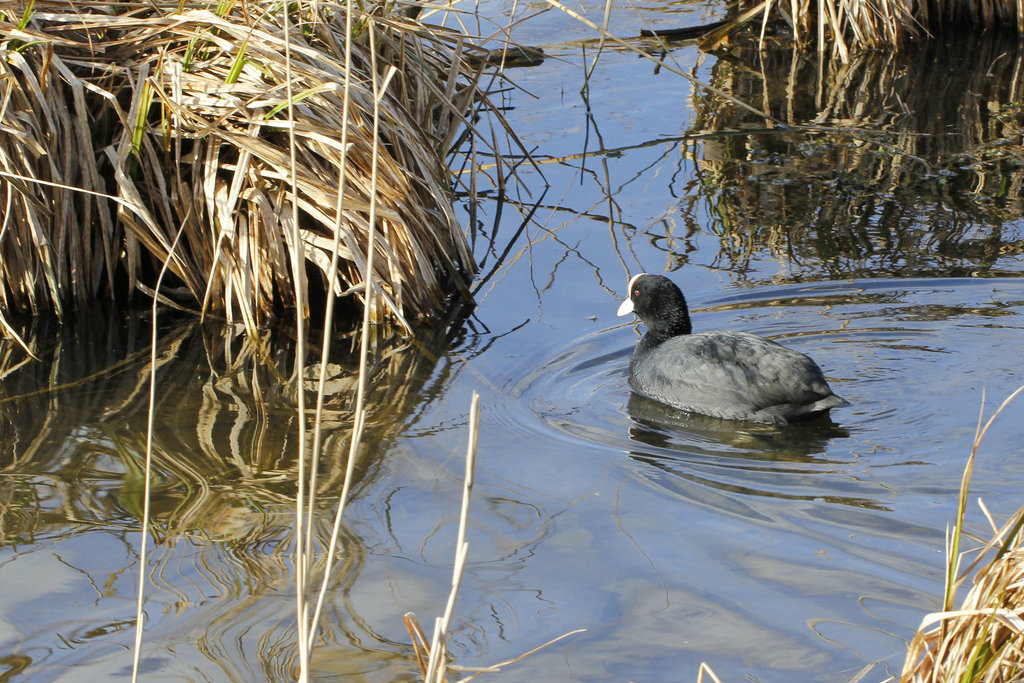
659	304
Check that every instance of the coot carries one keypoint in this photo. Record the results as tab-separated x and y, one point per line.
731	375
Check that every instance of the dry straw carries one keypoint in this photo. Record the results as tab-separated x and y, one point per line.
847	27
983	640
125	124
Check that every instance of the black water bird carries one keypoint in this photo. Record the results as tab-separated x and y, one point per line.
731	375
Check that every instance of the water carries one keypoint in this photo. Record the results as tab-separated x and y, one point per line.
809	552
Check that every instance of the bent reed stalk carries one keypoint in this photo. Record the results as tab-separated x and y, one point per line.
123	124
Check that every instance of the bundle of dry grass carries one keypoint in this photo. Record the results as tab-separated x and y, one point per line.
849	27
137	134
983	641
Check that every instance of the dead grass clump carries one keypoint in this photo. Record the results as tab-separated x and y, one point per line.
849	27
983	640
134	134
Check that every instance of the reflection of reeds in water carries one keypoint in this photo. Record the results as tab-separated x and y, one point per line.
223	435
225	462
983	640
127	127
901	164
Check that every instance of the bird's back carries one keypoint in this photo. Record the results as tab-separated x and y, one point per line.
732	375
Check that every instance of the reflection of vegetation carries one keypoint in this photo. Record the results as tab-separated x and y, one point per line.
908	164
73	428
224	474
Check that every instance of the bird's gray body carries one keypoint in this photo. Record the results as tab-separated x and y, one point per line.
732	375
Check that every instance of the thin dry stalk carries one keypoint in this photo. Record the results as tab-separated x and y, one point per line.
437	663
310	620
420	646
496	668
706	670
433	660
144	530
303	554
306	640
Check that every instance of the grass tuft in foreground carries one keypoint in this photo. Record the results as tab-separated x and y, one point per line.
983	640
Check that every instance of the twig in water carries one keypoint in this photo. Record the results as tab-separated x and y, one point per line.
437	663
437	658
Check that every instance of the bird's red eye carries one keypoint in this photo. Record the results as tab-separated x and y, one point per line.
636	292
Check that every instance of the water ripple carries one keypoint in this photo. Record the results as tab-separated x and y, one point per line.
873	355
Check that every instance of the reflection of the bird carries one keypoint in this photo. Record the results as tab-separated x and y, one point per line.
665	427
711	460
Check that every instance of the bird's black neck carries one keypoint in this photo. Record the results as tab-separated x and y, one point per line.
655	338
672	323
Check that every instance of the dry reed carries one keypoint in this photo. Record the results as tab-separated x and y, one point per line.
432	654
983	640
437	654
846	28
127	126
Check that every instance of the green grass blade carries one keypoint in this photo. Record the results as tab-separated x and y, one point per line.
238	64
293	101
139	128
26	16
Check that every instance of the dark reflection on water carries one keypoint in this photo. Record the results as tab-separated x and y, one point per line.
716	462
897	164
72	451
665	428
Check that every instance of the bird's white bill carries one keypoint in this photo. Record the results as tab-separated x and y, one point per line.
627	306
